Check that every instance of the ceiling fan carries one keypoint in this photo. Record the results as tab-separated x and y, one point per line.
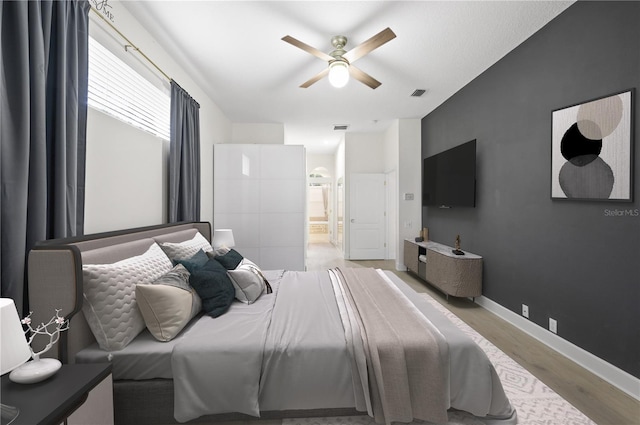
341	62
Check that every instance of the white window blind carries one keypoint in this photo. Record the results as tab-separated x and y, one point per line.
116	89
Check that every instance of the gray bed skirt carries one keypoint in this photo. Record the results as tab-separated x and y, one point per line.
151	402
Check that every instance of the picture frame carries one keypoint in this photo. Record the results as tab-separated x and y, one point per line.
592	149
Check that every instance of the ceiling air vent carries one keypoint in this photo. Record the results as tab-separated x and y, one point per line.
340	127
418	93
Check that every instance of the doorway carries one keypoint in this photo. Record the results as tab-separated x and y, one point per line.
319	212
339	216
319	207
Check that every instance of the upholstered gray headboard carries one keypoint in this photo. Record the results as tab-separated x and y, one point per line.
55	273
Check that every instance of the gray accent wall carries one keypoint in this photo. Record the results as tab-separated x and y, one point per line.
575	261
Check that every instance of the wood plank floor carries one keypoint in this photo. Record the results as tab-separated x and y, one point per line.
596	398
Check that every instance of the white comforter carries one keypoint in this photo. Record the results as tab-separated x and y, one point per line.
217	368
288	351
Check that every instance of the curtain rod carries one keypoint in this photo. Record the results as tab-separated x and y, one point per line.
131	45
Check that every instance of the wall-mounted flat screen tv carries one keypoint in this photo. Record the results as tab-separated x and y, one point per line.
449	178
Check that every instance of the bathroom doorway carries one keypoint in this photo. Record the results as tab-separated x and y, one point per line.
319	211
320	207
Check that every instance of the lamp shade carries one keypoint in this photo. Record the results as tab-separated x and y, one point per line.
338	73
223	237
14	349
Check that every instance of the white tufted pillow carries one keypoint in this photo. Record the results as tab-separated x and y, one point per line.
110	298
187	249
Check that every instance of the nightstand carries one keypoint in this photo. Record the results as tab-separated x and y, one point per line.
52	401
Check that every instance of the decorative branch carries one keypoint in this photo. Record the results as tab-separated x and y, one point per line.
59	324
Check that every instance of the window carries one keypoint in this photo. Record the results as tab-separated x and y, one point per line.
116	89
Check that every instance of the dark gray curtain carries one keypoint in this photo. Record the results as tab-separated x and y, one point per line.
43	115
184	157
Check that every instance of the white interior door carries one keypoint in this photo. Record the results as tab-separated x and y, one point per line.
367	217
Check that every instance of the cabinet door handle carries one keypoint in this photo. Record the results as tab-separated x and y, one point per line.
353	220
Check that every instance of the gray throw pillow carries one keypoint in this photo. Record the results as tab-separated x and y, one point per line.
187	249
248	283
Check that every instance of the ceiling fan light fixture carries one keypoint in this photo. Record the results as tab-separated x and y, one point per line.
338	73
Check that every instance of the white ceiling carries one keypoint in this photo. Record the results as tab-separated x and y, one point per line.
234	51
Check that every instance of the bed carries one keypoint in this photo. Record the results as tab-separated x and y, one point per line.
321	343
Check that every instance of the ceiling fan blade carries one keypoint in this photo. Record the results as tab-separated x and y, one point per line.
363	77
299	44
316	78
369	45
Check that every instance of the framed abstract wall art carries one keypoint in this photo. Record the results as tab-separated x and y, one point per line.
592	150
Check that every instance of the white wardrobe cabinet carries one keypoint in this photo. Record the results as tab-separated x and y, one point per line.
259	191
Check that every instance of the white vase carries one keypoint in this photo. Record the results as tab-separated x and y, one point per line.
35	370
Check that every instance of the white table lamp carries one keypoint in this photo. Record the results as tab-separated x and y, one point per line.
14	349
223	237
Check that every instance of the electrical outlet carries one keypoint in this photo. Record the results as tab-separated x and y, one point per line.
553	325
525	310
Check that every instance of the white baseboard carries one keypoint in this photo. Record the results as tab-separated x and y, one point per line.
615	376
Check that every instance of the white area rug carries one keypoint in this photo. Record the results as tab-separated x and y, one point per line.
536	403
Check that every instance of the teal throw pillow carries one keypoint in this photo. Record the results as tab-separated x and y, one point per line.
230	260
214	287
197	261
